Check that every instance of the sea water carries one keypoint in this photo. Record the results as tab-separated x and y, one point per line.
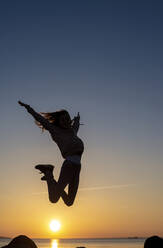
88	243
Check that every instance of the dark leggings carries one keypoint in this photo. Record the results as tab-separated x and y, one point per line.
69	175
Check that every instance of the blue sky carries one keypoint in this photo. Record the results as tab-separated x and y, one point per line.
102	59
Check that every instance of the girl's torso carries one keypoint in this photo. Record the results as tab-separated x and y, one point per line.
68	142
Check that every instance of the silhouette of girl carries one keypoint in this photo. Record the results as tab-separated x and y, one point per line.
63	131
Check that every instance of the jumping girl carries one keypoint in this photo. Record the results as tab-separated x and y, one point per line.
63	131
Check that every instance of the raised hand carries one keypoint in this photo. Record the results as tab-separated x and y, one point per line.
23	104
77	117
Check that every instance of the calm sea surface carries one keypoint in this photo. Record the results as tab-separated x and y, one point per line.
88	243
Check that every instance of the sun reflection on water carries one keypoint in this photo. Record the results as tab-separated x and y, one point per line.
54	243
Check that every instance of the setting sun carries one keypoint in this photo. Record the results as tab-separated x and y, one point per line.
55	225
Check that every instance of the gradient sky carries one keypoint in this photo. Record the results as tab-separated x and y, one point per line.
103	59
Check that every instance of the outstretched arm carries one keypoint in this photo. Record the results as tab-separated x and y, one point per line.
76	123
44	122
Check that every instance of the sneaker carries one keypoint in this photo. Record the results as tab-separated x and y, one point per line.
43	168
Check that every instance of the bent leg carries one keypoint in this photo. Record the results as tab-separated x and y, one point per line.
69	176
56	189
72	190
73	184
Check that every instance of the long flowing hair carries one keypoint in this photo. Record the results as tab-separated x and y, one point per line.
52	117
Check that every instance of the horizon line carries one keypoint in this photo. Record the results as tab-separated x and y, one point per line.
50	238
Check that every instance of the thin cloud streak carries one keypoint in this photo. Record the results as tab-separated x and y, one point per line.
107	187
121	186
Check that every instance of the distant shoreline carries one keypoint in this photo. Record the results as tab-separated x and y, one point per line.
2	237
90	238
